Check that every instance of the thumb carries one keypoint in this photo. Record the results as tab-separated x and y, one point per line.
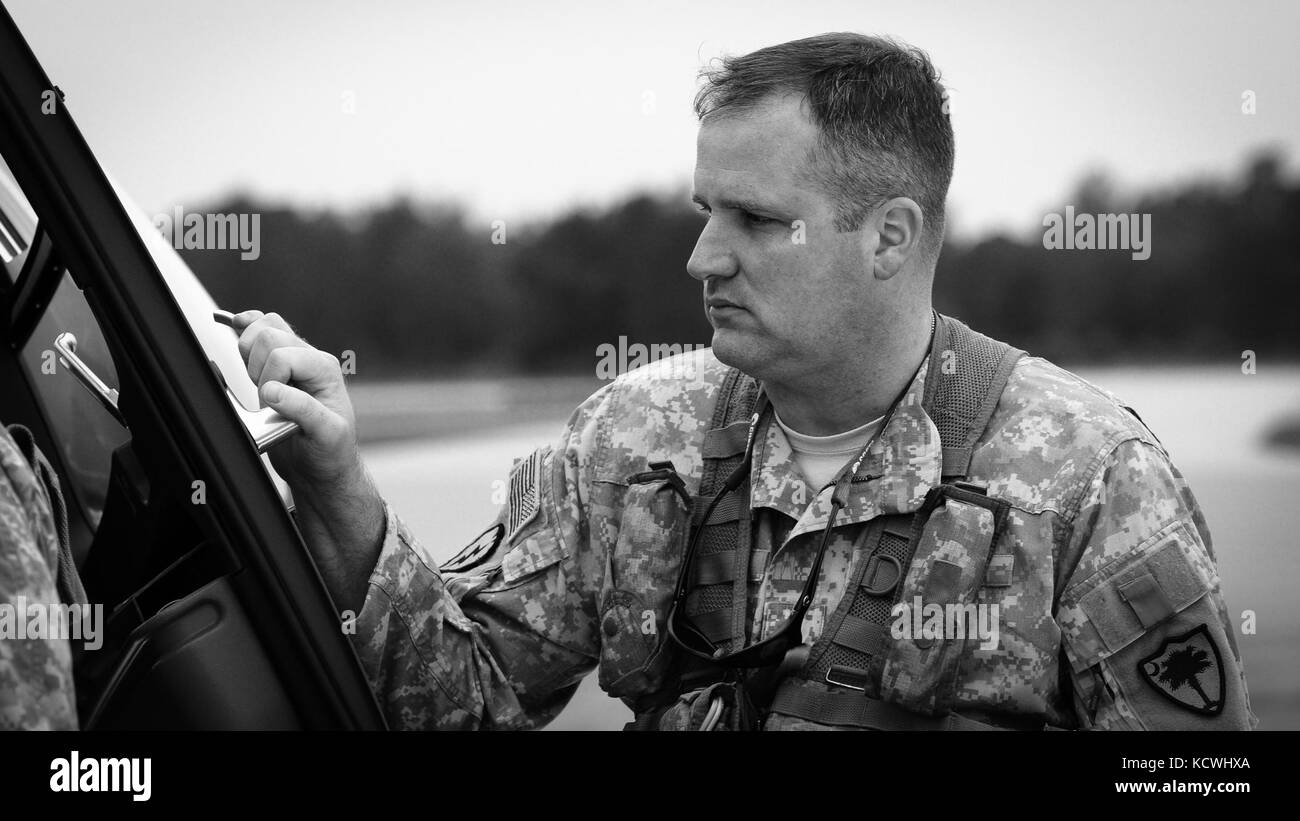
298	406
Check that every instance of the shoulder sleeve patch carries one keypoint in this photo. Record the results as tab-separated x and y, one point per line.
1188	670
525	490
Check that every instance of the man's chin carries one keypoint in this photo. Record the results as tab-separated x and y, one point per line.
738	350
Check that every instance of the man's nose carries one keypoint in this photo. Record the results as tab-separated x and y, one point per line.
712	256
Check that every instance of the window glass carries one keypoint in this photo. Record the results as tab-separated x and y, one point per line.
17	223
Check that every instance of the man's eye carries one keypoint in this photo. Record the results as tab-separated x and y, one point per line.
756	220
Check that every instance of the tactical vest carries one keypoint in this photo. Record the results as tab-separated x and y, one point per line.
855	674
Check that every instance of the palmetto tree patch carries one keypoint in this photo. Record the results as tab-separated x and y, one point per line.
1188	671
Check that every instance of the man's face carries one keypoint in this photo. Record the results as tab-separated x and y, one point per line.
784	291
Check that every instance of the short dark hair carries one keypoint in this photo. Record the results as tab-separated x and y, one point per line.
879	105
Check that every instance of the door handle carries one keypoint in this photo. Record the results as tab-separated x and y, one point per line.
66	344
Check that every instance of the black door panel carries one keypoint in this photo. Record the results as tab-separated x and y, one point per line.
196	665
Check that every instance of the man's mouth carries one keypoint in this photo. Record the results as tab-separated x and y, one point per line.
717	304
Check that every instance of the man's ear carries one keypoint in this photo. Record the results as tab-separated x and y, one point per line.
899	222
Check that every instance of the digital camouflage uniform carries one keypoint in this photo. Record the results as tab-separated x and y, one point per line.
36	687
1103	557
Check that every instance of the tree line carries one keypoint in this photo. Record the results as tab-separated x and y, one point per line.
417	289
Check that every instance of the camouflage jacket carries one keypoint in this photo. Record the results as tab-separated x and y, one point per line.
36	686
1103	570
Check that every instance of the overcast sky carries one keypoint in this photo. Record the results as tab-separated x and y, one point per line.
518	109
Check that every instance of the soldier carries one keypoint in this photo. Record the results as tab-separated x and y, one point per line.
36	685
801	527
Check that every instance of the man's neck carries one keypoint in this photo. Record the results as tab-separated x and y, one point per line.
857	389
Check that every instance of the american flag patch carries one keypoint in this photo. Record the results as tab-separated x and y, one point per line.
523	504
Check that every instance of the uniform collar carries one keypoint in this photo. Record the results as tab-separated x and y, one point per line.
902	465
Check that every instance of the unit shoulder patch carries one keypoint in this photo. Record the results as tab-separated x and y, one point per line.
1188	670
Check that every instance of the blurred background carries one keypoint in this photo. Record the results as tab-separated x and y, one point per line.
473	198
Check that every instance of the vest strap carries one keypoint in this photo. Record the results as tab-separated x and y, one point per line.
728	510
726	442
856	633
841	708
963	384
861	635
715	568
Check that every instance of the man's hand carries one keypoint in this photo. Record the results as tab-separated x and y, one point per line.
339	509
306	386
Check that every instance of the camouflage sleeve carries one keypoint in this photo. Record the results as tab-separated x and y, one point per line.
499	636
1145	631
36	688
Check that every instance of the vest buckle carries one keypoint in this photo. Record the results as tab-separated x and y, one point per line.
881	575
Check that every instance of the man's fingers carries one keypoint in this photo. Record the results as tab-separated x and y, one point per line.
316	421
308	368
245	318
251	324
274	320
249	334
264	342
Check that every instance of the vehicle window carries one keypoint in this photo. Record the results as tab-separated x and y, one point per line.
17	223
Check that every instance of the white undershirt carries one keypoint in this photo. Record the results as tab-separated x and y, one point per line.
820	458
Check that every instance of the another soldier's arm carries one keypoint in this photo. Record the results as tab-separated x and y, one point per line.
1146	635
502	636
36	689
